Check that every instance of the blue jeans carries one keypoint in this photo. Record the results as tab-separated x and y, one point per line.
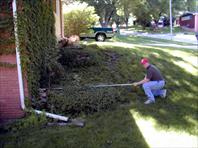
153	88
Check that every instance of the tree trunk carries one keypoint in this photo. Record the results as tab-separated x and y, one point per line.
127	22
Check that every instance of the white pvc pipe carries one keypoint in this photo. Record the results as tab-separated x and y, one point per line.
52	115
20	79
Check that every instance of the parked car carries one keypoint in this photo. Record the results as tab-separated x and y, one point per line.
99	33
160	24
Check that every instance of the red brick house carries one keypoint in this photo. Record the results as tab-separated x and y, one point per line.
189	21
10	103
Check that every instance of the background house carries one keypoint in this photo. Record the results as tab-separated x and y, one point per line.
189	21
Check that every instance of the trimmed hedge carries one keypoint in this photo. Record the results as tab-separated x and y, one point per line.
74	100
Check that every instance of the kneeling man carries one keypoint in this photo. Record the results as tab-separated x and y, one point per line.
153	82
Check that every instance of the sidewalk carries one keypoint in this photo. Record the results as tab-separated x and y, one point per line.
180	37
194	47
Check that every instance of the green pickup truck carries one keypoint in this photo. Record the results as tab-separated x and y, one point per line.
99	33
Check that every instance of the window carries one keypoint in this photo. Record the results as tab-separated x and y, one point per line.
185	18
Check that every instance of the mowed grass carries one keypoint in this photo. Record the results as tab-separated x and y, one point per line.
121	127
106	129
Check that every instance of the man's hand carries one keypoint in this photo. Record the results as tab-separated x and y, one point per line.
135	84
141	82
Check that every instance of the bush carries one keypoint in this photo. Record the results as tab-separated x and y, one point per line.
37	43
79	20
74	58
74	100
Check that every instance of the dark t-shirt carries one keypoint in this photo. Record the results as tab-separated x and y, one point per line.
153	73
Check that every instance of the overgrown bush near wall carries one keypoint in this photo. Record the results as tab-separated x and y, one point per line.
37	43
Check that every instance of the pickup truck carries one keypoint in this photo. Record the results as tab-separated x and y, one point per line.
99	33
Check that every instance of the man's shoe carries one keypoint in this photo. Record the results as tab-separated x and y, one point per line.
149	102
164	94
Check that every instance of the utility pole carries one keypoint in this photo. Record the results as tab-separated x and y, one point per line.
171	22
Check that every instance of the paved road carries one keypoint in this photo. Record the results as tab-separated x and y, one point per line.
180	37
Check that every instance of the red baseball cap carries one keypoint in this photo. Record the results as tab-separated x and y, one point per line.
144	61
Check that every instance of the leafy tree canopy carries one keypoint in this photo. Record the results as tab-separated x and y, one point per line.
143	10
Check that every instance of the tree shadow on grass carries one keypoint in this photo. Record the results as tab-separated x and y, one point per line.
179	109
111	129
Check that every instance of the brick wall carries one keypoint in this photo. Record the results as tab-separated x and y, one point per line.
10	105
9	90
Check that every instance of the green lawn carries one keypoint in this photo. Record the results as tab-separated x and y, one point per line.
146	40
130	124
